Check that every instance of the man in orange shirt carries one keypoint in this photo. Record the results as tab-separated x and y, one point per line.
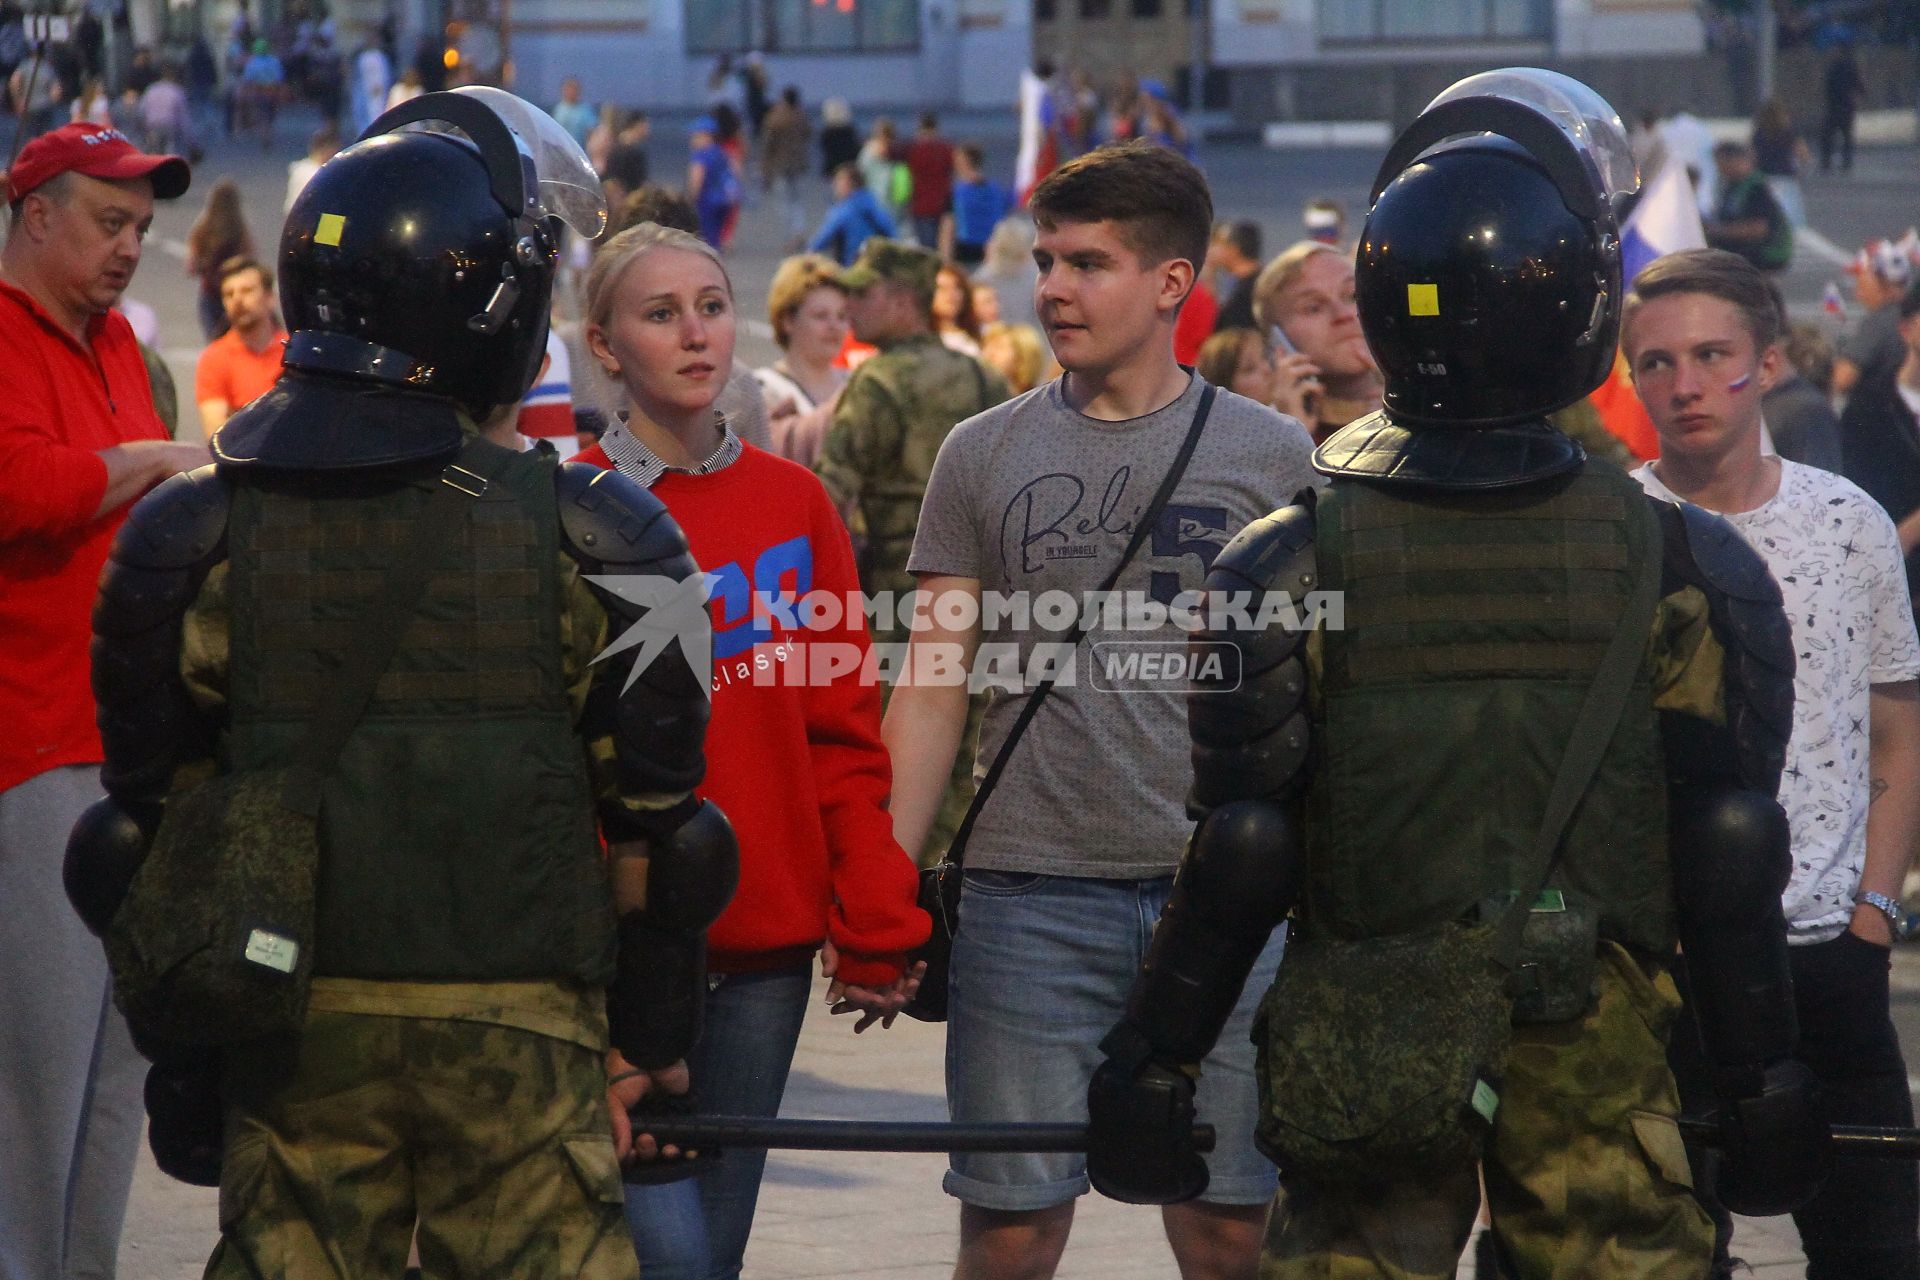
243	362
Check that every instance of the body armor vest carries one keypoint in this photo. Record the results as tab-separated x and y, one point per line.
1474	625
457	833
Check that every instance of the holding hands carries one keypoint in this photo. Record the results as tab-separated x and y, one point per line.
882	1004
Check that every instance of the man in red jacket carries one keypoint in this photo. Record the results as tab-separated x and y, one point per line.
79	441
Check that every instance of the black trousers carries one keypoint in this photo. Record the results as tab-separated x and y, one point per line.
1836	131
1865	1223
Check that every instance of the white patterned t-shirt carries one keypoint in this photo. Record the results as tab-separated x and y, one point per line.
1837	559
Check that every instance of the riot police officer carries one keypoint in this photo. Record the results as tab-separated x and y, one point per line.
479	967
1542	748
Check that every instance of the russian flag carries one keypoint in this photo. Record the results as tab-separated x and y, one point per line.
1039	153
1665	220
547	411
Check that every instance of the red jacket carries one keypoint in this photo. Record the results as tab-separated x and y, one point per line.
60	404
795	761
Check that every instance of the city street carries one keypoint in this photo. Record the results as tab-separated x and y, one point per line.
885	1216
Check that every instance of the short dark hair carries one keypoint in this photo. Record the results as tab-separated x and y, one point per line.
1717	274
1243	235
849	170
1156	199
234	266
975	156
657	204
1730	149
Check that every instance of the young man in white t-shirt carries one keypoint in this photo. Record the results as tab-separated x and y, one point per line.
1701	335
1073	855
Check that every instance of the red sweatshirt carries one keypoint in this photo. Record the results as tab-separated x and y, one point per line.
794	761
60	403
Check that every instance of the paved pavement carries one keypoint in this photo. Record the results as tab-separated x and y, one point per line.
885	1216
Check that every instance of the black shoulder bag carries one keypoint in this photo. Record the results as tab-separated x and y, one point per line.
940	884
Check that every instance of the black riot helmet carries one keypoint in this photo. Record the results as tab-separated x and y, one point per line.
1488	273
422	257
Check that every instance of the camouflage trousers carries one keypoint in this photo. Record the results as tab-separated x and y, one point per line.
1586	1176
493	1140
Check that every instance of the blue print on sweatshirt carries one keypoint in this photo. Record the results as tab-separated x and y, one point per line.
746	608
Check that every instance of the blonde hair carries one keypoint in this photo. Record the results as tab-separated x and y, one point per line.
797	277
627	248
1029	355
1281	272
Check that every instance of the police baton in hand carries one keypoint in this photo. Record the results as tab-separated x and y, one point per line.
711	1133
1849	1140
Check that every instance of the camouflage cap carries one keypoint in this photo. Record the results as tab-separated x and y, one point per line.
894	260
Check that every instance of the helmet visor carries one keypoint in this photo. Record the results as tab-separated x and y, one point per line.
1584	116
567	187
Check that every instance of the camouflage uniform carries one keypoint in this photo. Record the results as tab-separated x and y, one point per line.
879	449
892	418
1585	1120
487	1127
477	1107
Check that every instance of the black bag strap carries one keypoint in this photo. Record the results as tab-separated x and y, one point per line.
381	623
1593	730
956	851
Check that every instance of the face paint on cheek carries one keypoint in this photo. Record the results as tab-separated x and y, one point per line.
1740	383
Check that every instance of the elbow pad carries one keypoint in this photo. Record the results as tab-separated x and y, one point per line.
1731	862
1240	878
108	845
658	998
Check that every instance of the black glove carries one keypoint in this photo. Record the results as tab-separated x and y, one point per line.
648	1173
184	1120
1776	1145
1140	1134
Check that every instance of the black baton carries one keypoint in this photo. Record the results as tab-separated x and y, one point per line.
708	1133
1867	1140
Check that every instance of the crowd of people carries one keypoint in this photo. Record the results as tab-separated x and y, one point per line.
974	397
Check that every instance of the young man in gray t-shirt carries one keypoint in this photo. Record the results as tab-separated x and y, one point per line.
1030	506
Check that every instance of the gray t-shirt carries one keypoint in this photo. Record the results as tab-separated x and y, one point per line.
1033	497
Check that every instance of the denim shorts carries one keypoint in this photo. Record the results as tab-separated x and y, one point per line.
1041	971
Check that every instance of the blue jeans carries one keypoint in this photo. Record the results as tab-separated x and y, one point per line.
1041	971
697	1228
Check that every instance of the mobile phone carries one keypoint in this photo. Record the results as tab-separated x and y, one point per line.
1281	342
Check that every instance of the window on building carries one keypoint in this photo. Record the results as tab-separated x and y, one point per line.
1145	8
1397	21
1044	10
802	26
1096	9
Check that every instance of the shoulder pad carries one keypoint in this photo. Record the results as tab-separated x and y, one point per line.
1272	553
609	522
1381	451
182	523
1745	612
1724	558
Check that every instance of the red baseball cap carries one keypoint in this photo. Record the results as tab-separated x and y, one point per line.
98	152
